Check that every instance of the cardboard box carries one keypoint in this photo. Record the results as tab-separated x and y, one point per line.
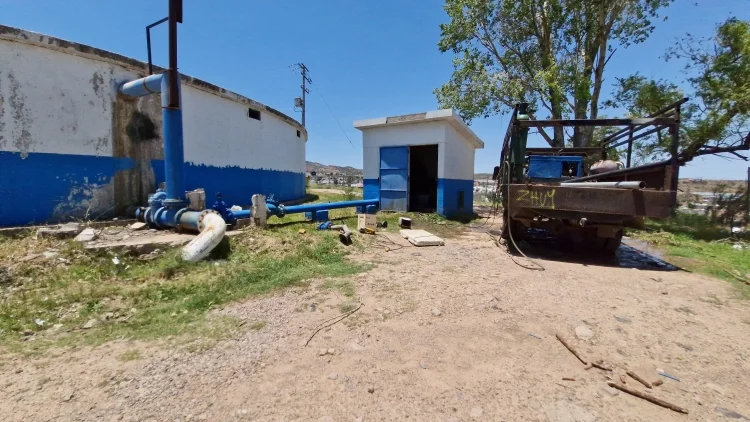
366	221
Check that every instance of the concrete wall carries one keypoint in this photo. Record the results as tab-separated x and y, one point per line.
70	147
460	164
429	133
455	160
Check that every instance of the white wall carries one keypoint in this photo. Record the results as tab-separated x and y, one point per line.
427	133
218	132
53	102
59	100
459	163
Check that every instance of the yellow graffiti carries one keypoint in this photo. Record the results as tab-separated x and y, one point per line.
536	199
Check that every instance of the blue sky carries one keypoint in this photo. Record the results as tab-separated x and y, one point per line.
367	58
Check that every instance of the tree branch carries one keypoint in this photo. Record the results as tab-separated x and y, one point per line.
543	132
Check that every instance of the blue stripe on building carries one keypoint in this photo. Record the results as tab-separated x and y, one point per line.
236	184
42	187
371	189
455	196
449	192
48	187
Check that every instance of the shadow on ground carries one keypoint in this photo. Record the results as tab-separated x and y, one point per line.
631	254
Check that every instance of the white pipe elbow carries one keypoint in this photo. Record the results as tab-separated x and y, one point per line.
212	228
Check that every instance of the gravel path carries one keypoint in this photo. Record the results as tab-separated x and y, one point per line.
446	333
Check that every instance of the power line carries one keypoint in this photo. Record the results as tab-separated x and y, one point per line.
334	117
300	68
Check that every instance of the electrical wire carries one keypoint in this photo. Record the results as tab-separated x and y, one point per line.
536	266
319	92
334	116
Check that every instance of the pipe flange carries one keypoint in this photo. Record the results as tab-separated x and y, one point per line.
156	215
202	216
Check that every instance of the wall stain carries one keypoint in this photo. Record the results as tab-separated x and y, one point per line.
136	129
140	128
21	136
97	81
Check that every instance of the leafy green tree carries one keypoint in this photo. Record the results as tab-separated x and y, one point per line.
718	118
550	53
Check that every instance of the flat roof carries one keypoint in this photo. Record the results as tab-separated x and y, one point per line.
447	115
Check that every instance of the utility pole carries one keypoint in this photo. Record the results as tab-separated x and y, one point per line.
305	80
747	193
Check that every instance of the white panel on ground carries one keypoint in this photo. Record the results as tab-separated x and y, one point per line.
421	238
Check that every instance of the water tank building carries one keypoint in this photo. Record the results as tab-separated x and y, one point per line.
421	162
72	148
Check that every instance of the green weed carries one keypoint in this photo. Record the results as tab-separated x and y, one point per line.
154	299
695	244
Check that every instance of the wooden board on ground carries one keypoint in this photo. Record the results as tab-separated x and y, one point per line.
421	238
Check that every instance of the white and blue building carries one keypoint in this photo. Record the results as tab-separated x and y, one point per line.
71	147
420	162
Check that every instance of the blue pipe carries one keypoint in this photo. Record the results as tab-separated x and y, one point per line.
174	153
280	210
325	206
242	214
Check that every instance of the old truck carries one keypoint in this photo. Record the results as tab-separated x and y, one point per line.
578	194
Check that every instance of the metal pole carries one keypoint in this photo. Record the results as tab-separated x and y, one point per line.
630	146
304	71
175	15
674	164
747	211
148	45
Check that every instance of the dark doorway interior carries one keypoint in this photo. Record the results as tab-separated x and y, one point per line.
423	178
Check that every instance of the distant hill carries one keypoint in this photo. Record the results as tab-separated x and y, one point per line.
325	169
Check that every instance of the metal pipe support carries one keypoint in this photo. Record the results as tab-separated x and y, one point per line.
616	185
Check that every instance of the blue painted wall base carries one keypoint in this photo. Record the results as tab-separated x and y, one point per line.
66	186
449	195
455	196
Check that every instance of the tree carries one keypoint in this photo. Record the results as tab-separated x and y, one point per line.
550	53
718	119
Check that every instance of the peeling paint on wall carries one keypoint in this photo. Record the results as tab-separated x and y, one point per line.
67	136
87	199
21	136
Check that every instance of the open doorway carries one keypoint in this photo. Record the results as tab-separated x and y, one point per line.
423	178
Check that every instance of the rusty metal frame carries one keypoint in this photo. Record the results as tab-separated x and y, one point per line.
653	121
580	201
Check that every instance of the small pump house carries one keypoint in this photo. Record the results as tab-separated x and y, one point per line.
421	162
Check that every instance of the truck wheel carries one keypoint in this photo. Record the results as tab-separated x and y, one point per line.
611	244
517	229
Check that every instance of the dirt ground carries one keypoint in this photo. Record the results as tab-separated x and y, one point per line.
457	332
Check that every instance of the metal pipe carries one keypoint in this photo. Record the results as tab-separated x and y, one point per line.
617	185
242	214
175	15
142	87
321	206
620	172
174	154
345	235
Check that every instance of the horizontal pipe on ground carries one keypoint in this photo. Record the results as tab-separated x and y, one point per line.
329	206
280	210
617	185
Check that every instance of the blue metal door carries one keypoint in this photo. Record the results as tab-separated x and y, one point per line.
394	178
